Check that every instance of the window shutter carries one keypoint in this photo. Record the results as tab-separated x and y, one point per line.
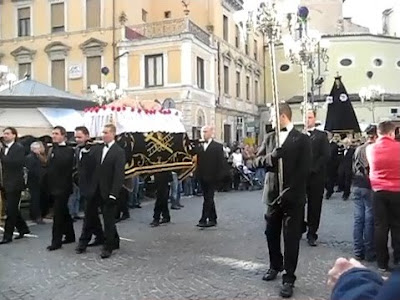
93	13
57	15
93	70
58	74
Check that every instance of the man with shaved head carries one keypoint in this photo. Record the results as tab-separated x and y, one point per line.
209	170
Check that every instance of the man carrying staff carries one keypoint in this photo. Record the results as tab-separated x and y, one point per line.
85	156
285	208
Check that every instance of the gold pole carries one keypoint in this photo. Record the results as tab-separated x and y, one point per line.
275	101
305	94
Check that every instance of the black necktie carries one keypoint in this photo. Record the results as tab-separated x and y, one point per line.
283	129
106	145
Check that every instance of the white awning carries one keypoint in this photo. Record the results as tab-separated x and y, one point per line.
65	117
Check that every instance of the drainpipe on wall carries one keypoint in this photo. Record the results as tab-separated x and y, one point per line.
219	73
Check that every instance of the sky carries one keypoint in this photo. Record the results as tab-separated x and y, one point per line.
367	12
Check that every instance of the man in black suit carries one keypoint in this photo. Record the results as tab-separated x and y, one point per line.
210	159
316	179
161	181
85	156
332	166
60	166
346	168
108	181
12	157
285	209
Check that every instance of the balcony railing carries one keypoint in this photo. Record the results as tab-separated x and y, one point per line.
168	28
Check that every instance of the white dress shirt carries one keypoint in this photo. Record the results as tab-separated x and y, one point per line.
206	144
284	134
7	147
105	150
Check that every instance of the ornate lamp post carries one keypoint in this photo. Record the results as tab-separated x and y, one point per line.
267	21
371	94
107	94
301	48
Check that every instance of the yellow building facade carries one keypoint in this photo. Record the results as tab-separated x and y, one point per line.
207	69
361	60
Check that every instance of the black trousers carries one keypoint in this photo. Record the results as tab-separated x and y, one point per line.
161	205
14	218
209	212
290	220
345	177
386	208
331	178
109	207
91	222
315	193
123	204
35	206
62	221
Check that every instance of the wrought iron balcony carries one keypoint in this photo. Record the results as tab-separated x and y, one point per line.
167	28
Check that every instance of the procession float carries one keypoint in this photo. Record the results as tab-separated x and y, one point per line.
152	135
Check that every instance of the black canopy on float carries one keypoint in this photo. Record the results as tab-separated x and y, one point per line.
340	115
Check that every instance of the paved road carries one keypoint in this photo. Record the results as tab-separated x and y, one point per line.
177	261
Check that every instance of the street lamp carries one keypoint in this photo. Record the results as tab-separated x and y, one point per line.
107	94
301	47
6	77
371	94
264	17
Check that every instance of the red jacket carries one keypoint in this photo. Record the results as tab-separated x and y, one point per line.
384	162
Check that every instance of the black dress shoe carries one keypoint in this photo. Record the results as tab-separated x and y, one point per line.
155	223
105	253
96	243
80	249
5	241
68	241
286	290
312	242
21	235
271	274
53	247
202	224
181	206
175	207
165	220
138	206
211	223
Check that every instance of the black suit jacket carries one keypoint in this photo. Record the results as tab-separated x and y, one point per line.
13	168
210	163
297	160
59	170
347	159
110	175
86	166
320	153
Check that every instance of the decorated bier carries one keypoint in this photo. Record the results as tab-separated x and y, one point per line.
154	139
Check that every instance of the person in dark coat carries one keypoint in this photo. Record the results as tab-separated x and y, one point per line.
108	181
60	167
210	167
352	281
285	211
12	156
86	160
316	180
346	168
332	167
33	165
161	181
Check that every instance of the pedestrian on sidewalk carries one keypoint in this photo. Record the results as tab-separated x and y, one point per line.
363	230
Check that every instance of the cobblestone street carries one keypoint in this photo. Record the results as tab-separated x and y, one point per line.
177	261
